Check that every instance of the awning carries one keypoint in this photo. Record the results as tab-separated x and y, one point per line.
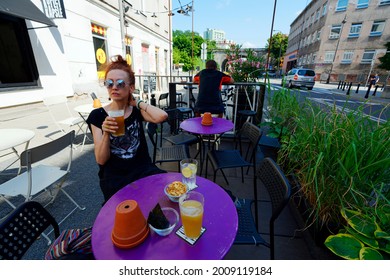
24	9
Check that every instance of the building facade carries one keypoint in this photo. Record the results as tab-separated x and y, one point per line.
60	48
340	39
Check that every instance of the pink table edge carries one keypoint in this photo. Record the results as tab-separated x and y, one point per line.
220	220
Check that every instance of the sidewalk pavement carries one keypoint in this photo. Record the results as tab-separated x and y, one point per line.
83	185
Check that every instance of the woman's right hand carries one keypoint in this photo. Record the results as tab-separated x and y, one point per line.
109	125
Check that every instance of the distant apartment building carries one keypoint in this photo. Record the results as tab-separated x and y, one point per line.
219	37
57	47
340	38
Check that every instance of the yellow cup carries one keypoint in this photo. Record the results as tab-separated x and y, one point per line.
191	212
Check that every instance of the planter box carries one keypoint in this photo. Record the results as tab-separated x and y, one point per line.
313	234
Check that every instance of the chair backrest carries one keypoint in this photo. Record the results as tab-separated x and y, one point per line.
151	129
163	96
46	150
22	227
36	154
277	185
253	134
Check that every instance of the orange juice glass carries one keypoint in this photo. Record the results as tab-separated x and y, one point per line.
191	211
120	119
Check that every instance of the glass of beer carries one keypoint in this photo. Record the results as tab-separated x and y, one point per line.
119	116
191	211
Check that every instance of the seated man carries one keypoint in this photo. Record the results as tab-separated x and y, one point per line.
210	82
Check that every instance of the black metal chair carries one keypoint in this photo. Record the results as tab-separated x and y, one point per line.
176	136
279	190
22	227
163	98
165	153
224	159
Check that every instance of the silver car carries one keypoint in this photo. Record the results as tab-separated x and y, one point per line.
299	77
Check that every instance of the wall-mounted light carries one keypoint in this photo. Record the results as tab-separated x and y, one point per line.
137	12
171	13
154	15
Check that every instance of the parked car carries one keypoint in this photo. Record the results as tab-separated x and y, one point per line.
271	73
299	77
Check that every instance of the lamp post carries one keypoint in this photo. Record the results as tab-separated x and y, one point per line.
337	46
270	41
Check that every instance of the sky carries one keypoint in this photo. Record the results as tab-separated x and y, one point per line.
246	22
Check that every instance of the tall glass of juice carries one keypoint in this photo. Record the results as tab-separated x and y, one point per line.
191	211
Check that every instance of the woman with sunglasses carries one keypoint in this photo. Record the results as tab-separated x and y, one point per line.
122	159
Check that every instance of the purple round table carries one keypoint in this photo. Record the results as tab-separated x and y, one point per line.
195	126
220	220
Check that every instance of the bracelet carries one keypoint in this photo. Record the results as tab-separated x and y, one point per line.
138	102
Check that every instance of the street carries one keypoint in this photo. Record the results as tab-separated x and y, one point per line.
375	107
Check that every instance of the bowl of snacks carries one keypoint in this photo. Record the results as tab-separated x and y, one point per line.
175	190
162	220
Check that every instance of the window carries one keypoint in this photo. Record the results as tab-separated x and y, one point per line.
347	57
319	35
314	38
329	57
377	28
318	14
16	54
362	4
324	9
308	40
312	19
384	2
314	58
368	56
335	31
99	39
355	30
341	5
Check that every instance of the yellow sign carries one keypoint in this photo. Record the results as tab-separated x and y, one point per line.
128	59
101	56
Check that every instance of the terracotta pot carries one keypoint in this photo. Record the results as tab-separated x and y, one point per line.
130	227
207	119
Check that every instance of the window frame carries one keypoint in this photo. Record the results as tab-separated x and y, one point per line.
377	23
23	73
333	28
347	57
364	4
355	33
340	6
368	52
329	56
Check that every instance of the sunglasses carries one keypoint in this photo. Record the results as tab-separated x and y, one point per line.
119	83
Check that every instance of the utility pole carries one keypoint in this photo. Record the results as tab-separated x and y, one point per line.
337	46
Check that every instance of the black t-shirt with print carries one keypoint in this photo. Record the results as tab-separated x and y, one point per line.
129	159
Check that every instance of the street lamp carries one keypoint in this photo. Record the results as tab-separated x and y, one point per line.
337	46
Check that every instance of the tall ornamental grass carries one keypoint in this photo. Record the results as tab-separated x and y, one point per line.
340	157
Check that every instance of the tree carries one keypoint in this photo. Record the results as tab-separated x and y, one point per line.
183	48
385	60
278	46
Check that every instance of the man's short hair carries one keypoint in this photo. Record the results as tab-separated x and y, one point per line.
211	64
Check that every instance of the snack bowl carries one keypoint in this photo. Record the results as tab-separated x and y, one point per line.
175	190
172	217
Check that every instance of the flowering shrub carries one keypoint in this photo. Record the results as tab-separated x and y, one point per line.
243	65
